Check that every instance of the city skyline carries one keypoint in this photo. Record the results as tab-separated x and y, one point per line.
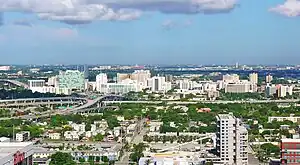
149	32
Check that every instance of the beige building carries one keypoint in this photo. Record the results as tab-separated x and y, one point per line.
141	76
231	78
253	78
241	87
269	78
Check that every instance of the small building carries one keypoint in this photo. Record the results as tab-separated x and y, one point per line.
71	135
23	136
110	138
54	136
203	110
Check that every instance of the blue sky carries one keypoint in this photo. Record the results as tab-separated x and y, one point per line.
150	32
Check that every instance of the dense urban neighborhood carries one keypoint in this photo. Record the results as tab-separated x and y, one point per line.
127	115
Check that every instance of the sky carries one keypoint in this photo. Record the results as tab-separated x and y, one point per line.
149	31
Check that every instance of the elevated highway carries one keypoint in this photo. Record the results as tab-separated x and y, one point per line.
84	105
15	82
42	101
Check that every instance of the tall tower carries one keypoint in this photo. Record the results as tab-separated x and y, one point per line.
101	82
86	71
232	140
236	65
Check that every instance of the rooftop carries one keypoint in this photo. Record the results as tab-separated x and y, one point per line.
290	140
226	116
7	148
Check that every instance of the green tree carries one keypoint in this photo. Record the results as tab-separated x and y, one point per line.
81	160
98	137
270	148
60	158
104	159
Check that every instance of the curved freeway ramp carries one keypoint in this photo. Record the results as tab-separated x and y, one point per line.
15	82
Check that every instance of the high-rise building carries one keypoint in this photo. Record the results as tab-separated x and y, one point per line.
253	78
159	84
270	90
141	76
281	91
185	84
269	78
241	87
123	76
169	78
124	86
86	71
232	140
53	81
100	80
71	79
290	151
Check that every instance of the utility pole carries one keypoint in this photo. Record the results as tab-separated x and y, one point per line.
13	132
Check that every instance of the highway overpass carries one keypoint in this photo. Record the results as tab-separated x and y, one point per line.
84	105
17	103
15	82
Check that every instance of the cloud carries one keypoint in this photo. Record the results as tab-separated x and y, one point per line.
69	11
86	11
177	6
290	8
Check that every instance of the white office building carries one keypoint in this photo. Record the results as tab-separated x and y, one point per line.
232	140
100	80
185	84
159	84
124	86
270	90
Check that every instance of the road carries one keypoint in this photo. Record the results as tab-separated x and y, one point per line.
210	102
99	145
136	139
